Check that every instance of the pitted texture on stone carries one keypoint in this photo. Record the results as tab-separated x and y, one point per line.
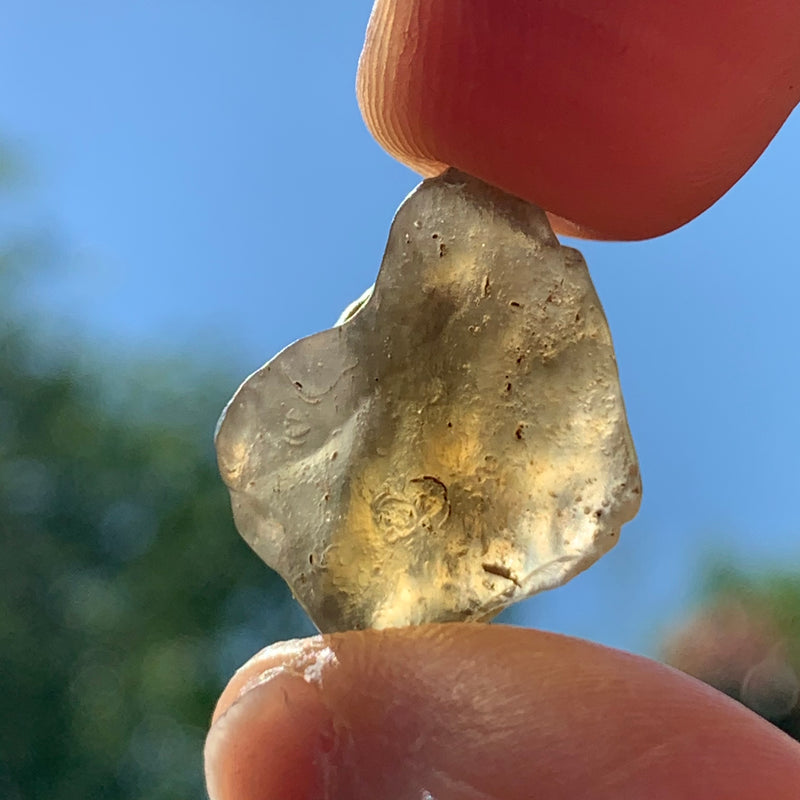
457	444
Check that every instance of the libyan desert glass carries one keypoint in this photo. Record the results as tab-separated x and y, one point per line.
457	443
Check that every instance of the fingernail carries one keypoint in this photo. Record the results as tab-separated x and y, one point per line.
269	724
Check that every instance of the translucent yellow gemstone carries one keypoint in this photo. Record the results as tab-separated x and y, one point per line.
457	443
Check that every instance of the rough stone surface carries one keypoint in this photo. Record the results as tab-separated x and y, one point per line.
458	443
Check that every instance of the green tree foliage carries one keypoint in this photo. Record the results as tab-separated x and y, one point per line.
126	597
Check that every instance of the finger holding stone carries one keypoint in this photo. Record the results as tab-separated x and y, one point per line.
622	119
474	711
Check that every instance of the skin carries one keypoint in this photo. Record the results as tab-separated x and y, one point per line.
652	112
472	712
624	119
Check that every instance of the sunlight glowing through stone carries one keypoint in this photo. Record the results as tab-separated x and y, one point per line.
457	443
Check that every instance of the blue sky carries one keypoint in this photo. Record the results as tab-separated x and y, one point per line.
205	170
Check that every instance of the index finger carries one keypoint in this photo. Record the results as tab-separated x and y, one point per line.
624	119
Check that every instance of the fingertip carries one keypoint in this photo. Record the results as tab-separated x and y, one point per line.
621	118
278	657
465	711
264	743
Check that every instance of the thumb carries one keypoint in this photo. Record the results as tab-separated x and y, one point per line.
473	712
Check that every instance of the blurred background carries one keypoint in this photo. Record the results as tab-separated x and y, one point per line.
186	188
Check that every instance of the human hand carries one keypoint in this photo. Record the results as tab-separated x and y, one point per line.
473	712
632	142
